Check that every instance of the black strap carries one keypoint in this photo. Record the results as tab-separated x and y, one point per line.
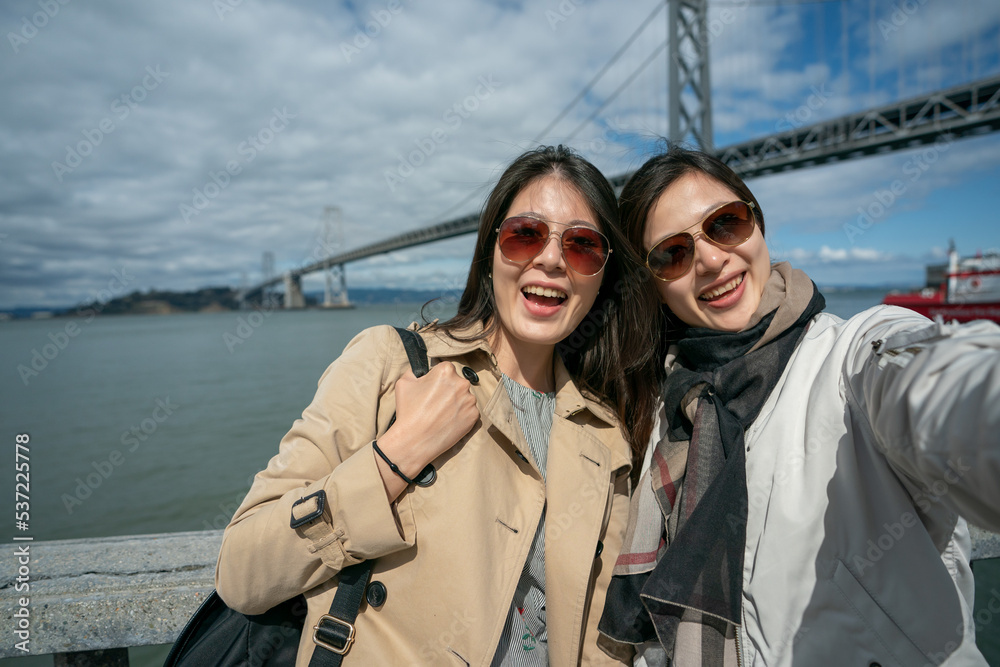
336	629
416	351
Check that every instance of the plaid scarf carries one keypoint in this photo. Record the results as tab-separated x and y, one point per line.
679	577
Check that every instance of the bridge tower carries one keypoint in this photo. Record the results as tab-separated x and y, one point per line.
336	298
333	237
689	100
293	291
241	293
267	298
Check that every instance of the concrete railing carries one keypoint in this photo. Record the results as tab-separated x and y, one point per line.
102	593
107	594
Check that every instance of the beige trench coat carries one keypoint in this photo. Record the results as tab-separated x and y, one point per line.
450	554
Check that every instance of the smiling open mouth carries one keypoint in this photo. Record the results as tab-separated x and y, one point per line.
543	296
722	290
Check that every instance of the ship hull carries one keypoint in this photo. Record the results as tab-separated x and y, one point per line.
934	306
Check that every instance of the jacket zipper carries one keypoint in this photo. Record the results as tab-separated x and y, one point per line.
739	649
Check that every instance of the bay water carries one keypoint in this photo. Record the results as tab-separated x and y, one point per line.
154	424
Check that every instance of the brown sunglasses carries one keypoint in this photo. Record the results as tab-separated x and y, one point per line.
728	225
522	238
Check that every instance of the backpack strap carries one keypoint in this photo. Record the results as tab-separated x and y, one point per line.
334	633
416	350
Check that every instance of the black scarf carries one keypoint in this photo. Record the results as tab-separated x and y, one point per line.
699	574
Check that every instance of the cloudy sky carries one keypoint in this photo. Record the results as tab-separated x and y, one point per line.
169	145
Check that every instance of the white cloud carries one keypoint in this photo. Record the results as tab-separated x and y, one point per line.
867	254
828	255
357	114
832	255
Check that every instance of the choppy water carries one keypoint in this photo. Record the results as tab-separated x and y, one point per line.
150	424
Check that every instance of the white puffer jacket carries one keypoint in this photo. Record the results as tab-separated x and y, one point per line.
881	432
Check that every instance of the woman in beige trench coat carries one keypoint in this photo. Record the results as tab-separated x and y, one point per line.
506	557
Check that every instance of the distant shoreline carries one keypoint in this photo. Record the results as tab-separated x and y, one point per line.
224	299
212	300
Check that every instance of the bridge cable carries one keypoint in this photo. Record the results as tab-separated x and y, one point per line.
597	77
845	57
472	195
821	42
871	49
582	93
620	88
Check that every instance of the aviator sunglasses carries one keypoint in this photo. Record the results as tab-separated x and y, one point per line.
522	238
727	226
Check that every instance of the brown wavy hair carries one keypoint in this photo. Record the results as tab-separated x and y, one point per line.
611	352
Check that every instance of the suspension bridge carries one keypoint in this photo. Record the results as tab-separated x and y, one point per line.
966	110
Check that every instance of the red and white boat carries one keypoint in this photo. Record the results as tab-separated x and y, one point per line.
963	289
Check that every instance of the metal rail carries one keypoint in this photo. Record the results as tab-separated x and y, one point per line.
957	112
445	230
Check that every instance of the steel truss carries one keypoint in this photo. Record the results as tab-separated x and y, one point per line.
957	112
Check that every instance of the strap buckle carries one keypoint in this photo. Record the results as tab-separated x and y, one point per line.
326	644
320	497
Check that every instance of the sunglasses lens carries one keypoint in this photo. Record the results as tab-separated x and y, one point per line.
730	225
521	239
671	258
585	250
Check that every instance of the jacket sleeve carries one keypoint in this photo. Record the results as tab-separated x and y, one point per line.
263	560
932	394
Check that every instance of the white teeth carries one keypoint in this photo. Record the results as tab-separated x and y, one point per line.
718	291
544	291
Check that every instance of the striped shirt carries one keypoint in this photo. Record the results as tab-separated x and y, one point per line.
524	642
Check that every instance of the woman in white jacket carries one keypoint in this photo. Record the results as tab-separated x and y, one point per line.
804	494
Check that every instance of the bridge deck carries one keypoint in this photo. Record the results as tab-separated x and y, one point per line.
961	111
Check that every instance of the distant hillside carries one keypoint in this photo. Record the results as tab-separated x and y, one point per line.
154	302
213	299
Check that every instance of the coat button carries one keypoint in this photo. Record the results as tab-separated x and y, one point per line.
375	594
470	375
600	549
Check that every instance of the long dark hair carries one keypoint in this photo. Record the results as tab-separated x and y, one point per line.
610	352
643	190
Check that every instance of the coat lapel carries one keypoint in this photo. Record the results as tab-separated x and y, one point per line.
498	412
